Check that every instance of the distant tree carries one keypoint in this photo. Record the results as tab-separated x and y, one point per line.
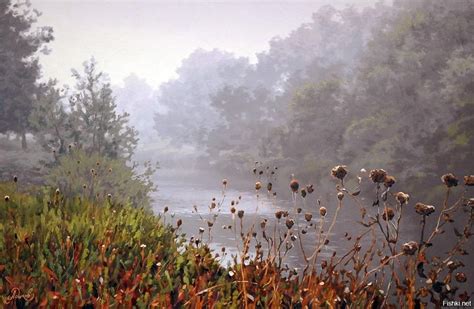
19	68
96	126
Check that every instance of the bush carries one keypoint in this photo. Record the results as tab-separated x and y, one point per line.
95	176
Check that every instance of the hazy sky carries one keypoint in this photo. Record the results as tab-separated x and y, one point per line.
150	38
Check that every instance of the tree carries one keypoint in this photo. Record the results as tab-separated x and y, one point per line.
19	68
96	126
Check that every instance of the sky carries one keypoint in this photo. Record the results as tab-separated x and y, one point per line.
151	37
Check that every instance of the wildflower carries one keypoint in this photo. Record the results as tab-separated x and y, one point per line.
469	180
389	181
258	185
224	182
322	211
269	186
310	188
461	277
240	214
339	171
424	209
303	193
294	185
402	198
308	216
388	213
449	180
378	175
7	198
289	223
15	178
410	247
340	196
179	222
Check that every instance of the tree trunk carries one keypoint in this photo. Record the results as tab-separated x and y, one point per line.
24	146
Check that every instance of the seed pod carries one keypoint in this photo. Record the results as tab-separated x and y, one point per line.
389	181
424	209
322	211
339	171
269	186
240	214
402	198
289	223
410	248
294	185
308	216
7	198
210	223
449	180
179	222
57	191
258	185
165	209
469	180
388	213
279	214
377	175
15	178
461	277
340	196
303	193
299	210
224	182
310	188
263	223
232	210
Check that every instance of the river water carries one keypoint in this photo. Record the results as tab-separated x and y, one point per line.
192	204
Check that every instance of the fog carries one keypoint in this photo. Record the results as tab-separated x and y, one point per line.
247	91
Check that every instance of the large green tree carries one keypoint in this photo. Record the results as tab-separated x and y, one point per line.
19	68
96	125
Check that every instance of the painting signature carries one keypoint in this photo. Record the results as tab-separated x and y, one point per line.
16	294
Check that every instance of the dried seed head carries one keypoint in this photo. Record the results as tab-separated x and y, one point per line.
7	198
310	188
109	196
294	185
322	211
424	209
303	193
15	178
165	209
179	222
469	180
84	186
210	223
232	210
201	230
410	248
240	214
258	185
389	181
269	186
402	198
224	182
308	216
57	191
388	213
340	196
289	223
377	175
461	277
299	210
263	224
279	214
449	180
339	171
